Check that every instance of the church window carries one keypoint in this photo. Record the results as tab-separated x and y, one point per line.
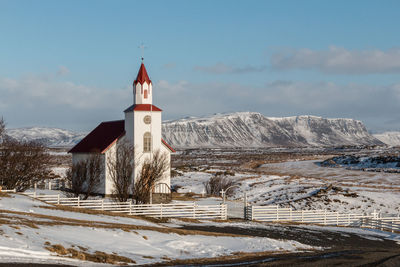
145	93
147	142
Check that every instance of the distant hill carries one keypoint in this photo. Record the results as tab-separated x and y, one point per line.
250	129
52	137
242	129
389	138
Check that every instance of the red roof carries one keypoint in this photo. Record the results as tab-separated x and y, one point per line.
169	147
142	107
98	140
142	76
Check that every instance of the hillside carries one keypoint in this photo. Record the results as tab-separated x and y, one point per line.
242	129
389	138
52	137
250	129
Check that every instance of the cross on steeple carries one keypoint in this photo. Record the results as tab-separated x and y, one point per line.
142	48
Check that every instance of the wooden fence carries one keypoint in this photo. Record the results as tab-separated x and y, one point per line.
8	191
183	210
384	224
278	214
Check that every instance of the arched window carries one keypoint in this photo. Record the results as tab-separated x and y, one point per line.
146	142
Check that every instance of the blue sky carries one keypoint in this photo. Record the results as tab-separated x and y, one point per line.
70	64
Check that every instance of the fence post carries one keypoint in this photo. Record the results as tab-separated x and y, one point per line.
130	207
78	201
34	193
102	204
252	212
324	217
302	215
277	213
161	211
225	212
58	199
194	210
49	184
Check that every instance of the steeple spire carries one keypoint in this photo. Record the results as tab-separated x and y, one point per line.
142	87
142	75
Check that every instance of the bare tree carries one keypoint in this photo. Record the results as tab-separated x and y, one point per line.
76	177
2	128
22	164
153	170
216	183
121	168
85	175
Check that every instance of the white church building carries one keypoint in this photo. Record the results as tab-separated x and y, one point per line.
141	127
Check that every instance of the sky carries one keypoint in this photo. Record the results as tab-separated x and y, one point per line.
71	64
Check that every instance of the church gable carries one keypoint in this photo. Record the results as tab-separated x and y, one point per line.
98	140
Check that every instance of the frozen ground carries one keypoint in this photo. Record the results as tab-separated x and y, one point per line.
27	228
305	185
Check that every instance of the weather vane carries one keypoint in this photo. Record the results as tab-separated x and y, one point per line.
142	48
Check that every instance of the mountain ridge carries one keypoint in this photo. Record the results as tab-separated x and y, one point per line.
252	129
239	129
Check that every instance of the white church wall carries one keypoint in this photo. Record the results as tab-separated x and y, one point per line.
77	157
139	95
110	156
129	122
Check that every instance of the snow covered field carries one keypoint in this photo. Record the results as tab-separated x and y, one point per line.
30	232
305	185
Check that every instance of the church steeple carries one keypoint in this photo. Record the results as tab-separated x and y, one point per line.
142	87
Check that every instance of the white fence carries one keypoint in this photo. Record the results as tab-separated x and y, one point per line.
384	224
278	214
8	191
183	210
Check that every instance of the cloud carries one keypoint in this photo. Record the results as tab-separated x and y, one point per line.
48	100
62	70
44	100
374	105
169	66
338	60
221	68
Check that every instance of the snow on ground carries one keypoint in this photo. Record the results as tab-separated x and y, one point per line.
305	185
22	203
23	237
365	232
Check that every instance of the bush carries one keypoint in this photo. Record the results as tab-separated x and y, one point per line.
216	183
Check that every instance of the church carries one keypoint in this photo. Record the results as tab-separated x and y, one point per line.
141	127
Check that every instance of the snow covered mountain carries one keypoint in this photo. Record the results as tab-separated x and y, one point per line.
250	129
52	137
242	129
389	138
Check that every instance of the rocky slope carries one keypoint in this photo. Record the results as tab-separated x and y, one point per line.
389	138
249	129
52	137
242	129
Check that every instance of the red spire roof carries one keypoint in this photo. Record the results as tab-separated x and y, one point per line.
142	75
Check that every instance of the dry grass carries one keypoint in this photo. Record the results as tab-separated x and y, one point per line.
237	256
59	221
3	194
100	212
185	196
97	256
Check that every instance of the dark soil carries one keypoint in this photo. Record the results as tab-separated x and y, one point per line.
342	248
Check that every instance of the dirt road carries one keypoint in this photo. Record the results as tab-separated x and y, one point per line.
343	248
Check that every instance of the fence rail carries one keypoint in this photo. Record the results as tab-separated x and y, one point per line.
8	191
384	224
279	214
183	210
